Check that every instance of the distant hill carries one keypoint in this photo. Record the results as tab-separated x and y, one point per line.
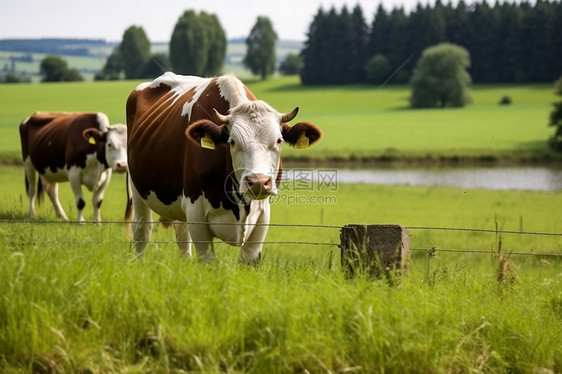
91	47
63	47
23	56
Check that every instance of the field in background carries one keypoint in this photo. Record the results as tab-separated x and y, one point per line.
366	121
359	122
87	65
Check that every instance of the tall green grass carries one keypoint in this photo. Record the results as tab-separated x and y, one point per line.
76	299
359	122
97	310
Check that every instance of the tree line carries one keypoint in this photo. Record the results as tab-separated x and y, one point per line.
507	42
197	47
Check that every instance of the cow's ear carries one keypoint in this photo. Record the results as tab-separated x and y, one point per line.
207	133
92	136
301	135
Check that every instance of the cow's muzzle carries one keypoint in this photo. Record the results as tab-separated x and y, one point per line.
258	186
120	167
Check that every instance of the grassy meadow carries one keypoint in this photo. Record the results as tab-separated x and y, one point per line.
76	299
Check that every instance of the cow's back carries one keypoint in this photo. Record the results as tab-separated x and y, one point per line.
54	140
161	159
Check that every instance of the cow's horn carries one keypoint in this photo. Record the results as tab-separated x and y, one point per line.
221	119
289	116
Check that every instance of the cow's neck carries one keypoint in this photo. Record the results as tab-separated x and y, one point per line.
100	154
235	228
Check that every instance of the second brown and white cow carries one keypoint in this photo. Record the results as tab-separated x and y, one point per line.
205	153
81	148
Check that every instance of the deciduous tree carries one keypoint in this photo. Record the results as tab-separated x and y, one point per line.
217	44
158	64
440	78
292	64
134	52
54	68
260	52
113	67
198	44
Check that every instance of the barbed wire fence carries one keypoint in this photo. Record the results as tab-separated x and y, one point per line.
332	243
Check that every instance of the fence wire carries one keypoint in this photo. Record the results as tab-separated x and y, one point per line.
304	243
494	231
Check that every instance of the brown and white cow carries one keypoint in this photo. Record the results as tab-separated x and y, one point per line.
205	153
78	147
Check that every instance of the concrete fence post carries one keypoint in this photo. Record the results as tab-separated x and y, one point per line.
378	250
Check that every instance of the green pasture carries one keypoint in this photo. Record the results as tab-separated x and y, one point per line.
360	122
365	120
75	298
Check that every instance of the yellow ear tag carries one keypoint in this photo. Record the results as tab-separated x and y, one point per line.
302	142
207	142
91	140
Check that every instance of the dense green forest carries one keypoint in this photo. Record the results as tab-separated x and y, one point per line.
507	42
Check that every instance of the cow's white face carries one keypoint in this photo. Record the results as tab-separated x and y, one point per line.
255	133
255	146
116	148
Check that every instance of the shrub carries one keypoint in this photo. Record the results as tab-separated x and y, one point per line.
377	69
440	78
505	100
55	69
555	140
291	65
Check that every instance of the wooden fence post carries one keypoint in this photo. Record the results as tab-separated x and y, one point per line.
379	250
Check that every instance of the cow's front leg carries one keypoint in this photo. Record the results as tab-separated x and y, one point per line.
183	237
76	185
250	252
97	196
52	190
203	241
200	234
142	222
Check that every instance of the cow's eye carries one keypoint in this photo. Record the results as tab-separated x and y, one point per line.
109	145
231	142
279	141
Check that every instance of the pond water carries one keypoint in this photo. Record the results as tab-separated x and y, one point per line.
496	178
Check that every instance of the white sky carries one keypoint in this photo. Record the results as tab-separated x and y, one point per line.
108	19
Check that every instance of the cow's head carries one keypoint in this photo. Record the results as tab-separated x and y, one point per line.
255	133
111	145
